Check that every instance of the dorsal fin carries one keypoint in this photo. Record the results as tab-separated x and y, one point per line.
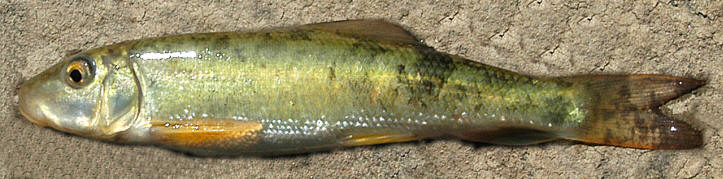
374	29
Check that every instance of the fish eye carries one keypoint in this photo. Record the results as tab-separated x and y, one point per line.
79	72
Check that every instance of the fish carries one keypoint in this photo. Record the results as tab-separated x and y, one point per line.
325	86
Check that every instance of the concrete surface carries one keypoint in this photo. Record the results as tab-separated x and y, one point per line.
540	37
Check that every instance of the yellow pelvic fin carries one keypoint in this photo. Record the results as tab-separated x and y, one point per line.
377	138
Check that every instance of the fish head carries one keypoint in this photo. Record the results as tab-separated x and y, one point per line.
93	94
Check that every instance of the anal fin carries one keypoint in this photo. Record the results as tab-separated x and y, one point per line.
508	136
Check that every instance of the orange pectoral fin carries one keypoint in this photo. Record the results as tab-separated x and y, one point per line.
206	133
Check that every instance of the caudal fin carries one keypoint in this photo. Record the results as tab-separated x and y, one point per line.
624	112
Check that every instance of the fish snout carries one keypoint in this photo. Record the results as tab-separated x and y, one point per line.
29	107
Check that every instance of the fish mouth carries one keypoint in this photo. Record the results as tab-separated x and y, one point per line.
30	110
36	116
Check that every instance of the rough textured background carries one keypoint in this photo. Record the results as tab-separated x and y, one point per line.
538	37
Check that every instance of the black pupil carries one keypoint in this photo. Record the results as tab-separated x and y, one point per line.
76	76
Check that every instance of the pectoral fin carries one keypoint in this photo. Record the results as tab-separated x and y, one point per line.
206	133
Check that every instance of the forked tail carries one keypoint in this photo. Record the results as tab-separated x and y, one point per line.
624	112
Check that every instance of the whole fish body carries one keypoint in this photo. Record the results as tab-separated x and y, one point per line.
324	86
